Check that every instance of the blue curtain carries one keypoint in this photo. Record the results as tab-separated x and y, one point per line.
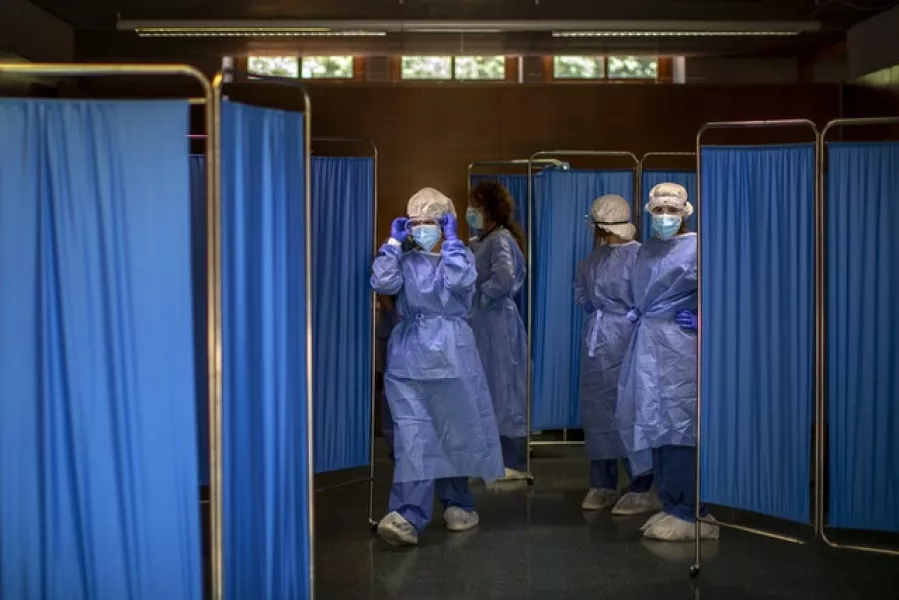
652	178
561	239
98	475
264	354
758	318
198	260
518	187
863	335
342	218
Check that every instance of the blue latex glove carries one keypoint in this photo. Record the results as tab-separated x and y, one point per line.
485	302
450	228
398	229
588	306
687	320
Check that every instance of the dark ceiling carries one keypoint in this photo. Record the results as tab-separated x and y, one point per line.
95	21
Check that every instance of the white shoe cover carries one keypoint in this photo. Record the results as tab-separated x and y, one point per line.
458	519
672	529
633	503
599	499
397	531
513	475
652	521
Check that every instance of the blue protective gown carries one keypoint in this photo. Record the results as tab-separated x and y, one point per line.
499	330
443	417
604	280
657	387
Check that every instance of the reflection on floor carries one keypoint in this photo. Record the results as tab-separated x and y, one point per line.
535	544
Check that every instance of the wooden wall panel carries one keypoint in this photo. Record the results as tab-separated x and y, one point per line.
427	135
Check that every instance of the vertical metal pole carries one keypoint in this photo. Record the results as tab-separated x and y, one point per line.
214	304
310	389
694	570
374	351
530	357
819	335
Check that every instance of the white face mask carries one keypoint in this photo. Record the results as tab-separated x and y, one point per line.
665	226
426	236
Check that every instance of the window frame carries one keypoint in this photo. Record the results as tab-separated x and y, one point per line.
242	63
663	71
510	74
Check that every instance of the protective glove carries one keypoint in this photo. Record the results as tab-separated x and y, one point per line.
485	302
687	320
398	229
588	306
450	228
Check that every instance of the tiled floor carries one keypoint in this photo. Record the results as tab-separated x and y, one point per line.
536	543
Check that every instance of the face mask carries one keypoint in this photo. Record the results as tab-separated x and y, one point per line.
426	236
665	226
474	219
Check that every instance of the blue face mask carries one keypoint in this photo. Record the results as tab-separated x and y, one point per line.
426	236
474	219
665	226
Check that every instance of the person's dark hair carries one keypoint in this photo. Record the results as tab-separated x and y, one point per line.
498	206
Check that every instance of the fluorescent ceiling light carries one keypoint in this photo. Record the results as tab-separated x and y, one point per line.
252	32
620	34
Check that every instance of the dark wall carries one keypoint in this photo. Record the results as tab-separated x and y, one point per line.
427	135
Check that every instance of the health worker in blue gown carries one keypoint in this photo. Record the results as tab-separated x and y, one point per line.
602	287
498	327
443	422
657	389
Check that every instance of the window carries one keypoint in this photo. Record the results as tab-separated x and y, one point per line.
327	67
579	67
309	67
276	66
633	67
426	67
462	68
611	67
474	68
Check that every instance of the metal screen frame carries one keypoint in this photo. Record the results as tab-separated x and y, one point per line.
821	344
541	163
215	432
774	124
532	161
213	280
374	315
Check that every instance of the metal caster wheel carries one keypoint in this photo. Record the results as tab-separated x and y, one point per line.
694	571
530	480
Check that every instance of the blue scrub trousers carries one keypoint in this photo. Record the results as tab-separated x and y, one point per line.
414	500
387	424
514	452
604	476
674	468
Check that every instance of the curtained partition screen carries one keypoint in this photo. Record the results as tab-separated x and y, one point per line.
561	237
863	335
342	218
265	460
98	476
653	177
757	328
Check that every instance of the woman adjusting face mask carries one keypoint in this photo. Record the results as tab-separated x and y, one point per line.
669	207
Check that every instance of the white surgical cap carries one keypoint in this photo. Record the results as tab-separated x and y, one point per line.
612	213
428	203
670	194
